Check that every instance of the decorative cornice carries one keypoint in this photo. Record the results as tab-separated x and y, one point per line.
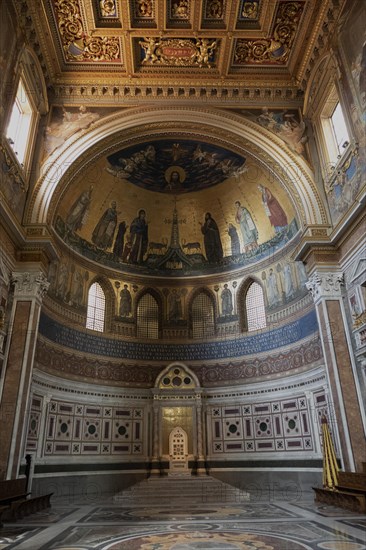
228	93
325	285
29	284
327	23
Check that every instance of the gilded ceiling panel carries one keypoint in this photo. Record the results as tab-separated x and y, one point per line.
77	45
110	33
274	49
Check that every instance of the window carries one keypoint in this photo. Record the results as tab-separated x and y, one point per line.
339	129
203	320
254	307
96	308
335	133
20	123
148	317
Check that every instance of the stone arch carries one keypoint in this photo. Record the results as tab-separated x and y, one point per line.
266	148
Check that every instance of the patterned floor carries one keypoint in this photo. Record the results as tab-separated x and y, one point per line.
105	525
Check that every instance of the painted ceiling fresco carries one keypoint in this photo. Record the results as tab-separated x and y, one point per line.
176	207
171	166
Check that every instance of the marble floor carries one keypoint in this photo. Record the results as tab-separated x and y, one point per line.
256	525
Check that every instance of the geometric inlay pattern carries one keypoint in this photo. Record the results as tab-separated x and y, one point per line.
80	429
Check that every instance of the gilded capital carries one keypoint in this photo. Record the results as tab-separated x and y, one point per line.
325	285
30	284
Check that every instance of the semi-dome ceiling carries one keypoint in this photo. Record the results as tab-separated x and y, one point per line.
176	206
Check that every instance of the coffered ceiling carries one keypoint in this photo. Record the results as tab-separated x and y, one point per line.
259	44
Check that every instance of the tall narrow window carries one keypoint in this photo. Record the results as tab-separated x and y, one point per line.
334	128
203	320
20	123
96	308
340	131
148	317
254	307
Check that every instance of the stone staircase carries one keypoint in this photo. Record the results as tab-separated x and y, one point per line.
185	490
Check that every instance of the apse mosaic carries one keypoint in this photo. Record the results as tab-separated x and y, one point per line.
176	208
172	166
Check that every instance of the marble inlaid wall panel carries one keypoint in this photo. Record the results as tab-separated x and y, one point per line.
77	429
283	425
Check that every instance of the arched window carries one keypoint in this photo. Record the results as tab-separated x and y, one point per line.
254	308
148	317
203	318
96	308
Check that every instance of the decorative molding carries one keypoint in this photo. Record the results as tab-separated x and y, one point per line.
327	25
62	362
231	94
325	285
30	284
12	169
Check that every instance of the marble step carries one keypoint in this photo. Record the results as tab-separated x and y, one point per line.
168	489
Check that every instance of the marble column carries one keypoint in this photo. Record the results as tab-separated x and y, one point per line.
326	289
201	470
29	289
155	462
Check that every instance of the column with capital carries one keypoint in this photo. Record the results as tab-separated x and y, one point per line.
29	290
326	289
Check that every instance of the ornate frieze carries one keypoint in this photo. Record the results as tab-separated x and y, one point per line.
63	363
77	45
30	284
231	95
325	285
276	48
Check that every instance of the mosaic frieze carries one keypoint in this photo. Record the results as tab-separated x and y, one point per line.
275	49
62	362
77	45
242	346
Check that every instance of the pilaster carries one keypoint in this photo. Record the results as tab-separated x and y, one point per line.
29	287
326	289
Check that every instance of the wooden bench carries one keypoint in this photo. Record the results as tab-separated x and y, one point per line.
16	502
349	493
